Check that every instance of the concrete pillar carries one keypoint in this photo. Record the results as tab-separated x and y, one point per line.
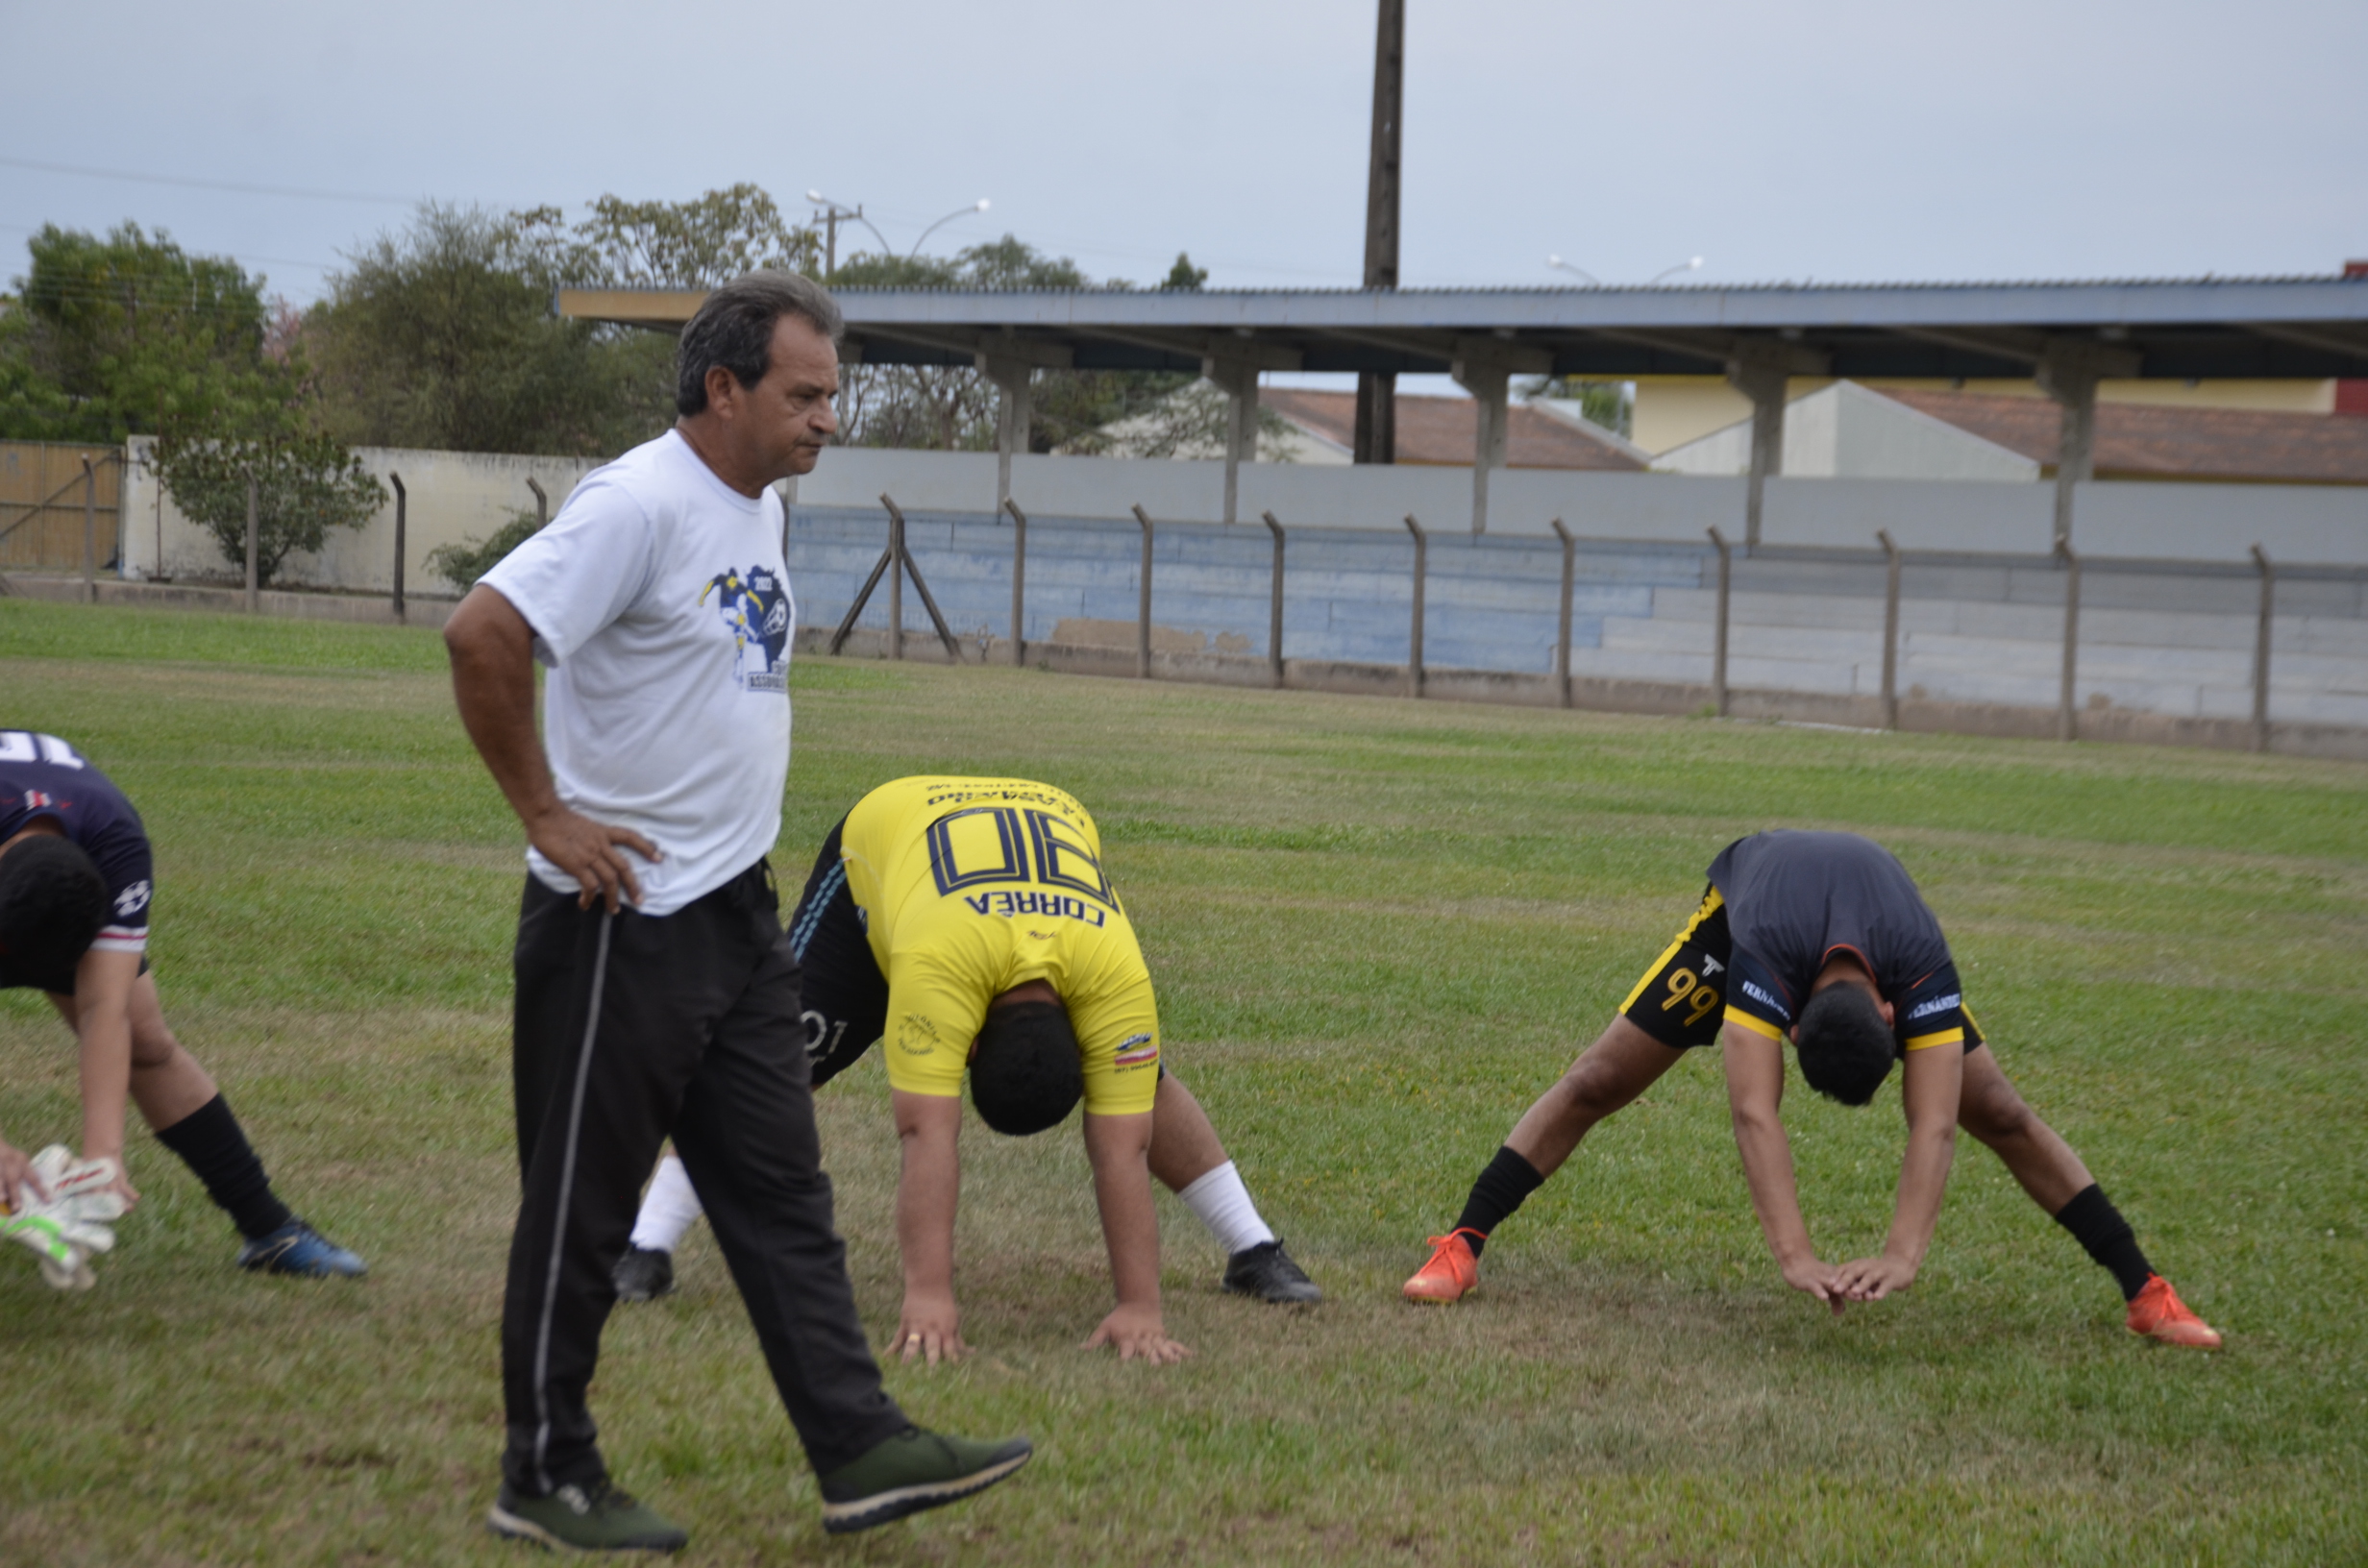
1015	379
1764	385
1484	367
1239	380
1489	382
2069	371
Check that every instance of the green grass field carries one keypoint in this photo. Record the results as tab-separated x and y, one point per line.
1378	929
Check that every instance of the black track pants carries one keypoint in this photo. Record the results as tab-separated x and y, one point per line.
629	1028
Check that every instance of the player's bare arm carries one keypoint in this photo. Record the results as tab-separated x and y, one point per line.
928	1187
1930	1085
492	648
102	1021
1120	1148
1755	1069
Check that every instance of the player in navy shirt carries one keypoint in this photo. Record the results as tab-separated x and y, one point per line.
1820	940
76	883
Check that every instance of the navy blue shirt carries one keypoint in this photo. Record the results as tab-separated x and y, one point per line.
40	776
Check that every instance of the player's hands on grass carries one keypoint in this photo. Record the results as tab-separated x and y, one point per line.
1871	1279
1818	1279
593	853
930	1330
1138	1330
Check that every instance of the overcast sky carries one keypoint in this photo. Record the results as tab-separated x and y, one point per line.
2012	139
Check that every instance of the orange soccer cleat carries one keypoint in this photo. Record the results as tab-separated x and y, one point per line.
2159	1313
1451	1272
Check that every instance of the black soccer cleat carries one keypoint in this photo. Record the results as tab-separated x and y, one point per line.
644	1274
296	1248
1265	1271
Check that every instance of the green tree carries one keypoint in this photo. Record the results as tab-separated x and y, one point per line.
1184	275
1608	403
462	564
954	407
443	336
305	484
131	335
694	244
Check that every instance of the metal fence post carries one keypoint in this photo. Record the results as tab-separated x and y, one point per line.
1561	637
542	504
2260	650
255	591
1719	633
2067	718
1019	582
1274	611
1890	631
1413	645
895	580
90	532
403	502
1143	612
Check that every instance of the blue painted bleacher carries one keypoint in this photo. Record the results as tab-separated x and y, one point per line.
1491	602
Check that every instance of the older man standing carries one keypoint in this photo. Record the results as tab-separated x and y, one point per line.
653	996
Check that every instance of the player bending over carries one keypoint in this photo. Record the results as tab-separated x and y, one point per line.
76	880
1822	939
969	922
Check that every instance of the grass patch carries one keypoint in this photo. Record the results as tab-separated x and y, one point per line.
1378	927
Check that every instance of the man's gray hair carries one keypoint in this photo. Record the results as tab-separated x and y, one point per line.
734	329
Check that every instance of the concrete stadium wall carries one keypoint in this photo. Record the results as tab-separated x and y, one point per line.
455	497
2323	525
1975	630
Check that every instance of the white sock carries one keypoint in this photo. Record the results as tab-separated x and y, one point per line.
667	1209
1221	1203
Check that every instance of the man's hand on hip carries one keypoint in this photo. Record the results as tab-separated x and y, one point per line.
593	853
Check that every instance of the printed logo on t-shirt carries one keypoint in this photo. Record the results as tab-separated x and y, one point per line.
756	605
132	900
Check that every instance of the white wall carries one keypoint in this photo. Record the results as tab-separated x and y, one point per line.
1845	432
2323	524
455	497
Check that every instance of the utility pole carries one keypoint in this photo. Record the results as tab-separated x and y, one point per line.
1376	437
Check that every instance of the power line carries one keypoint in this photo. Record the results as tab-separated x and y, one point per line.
274	260
296	192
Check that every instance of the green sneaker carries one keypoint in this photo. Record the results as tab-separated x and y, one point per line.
912	1471
593	1518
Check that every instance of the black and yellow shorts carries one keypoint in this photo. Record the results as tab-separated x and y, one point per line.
1681	999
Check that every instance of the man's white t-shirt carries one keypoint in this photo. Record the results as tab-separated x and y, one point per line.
660	601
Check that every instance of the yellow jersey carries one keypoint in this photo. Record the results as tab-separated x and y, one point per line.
967	887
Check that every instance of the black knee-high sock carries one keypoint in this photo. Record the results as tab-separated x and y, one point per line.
2098	1226
1496	1194
210	1143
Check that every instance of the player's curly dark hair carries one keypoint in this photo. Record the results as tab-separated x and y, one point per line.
1845	1048
52	903
1025	1076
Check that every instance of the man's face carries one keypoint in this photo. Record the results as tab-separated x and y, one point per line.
782	424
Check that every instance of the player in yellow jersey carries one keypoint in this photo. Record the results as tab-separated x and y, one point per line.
1820	940
968	924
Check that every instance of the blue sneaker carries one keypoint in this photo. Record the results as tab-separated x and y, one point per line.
297	1248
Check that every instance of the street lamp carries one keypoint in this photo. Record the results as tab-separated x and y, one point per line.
1590	279
978	205
1694	265
833	214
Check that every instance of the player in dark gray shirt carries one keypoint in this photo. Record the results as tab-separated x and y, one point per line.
1820	939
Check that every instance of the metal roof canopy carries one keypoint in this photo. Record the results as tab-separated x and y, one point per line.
2276	327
